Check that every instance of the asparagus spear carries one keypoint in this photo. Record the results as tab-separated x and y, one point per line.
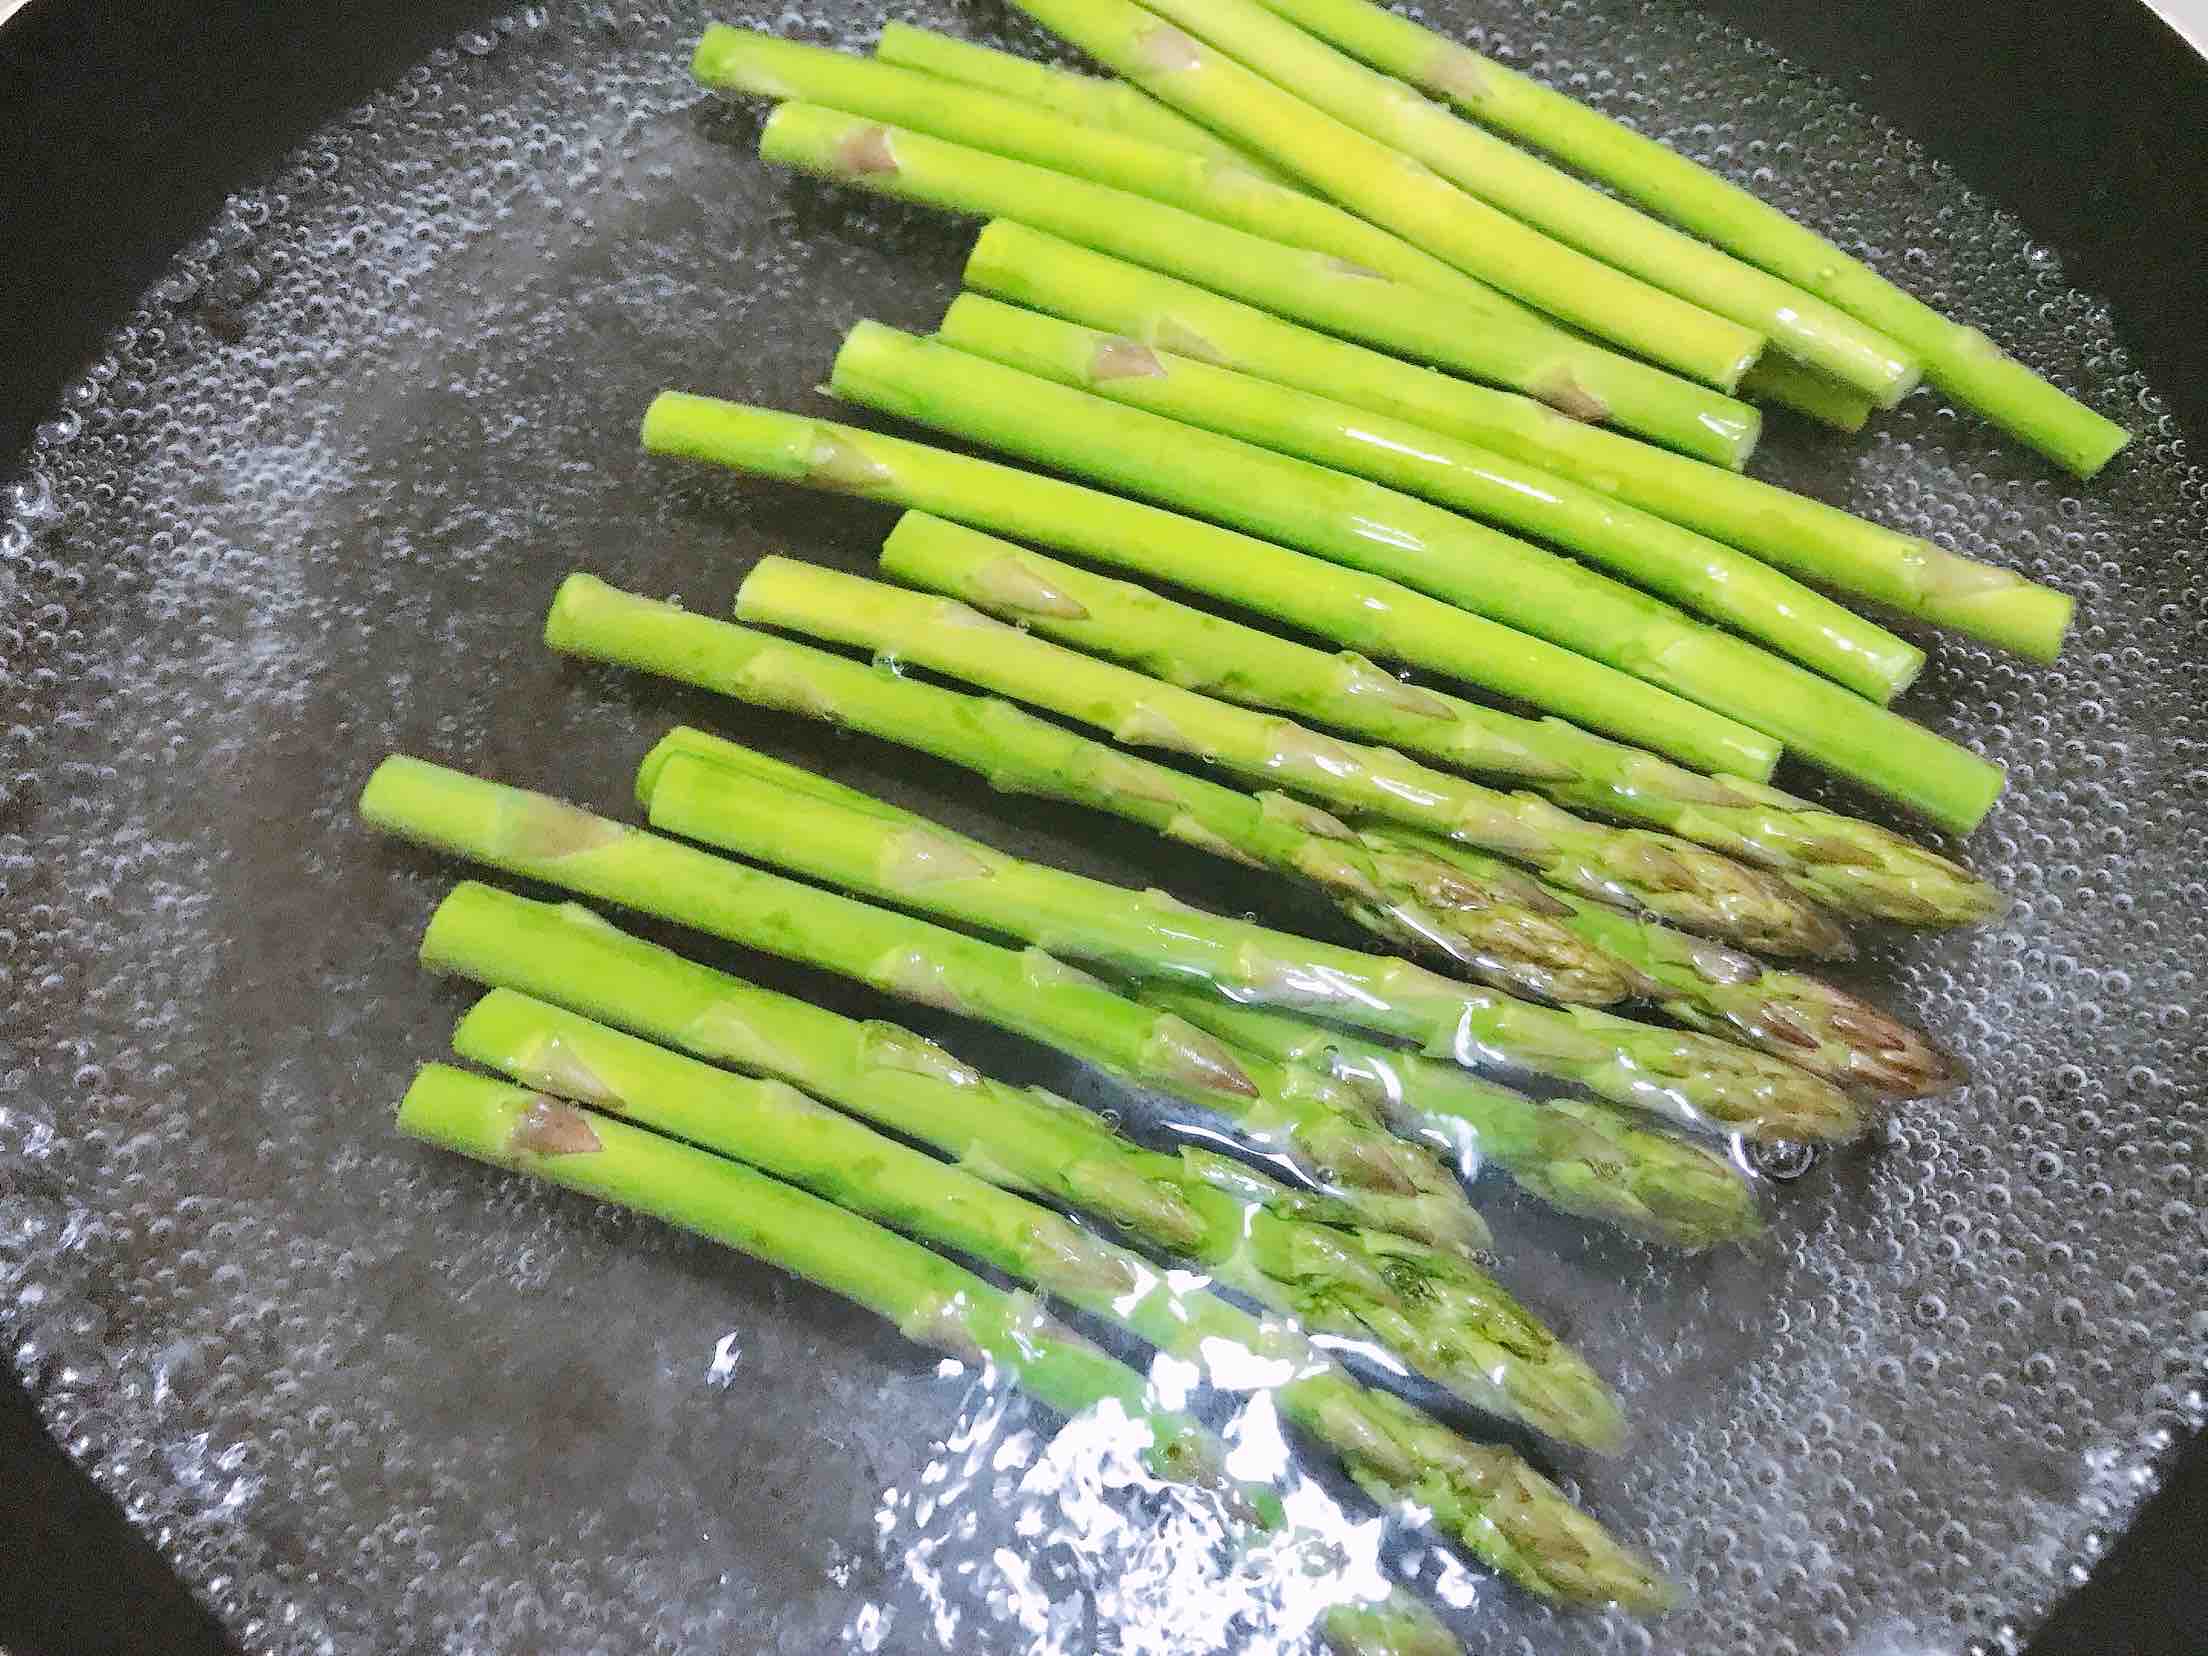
1195	1204
1485	1497
1360	610
1385	532
1400	194
1851	866
1513	945
1583	1157
1222	191
1549	199
1691	569
1959	360
1393	1185
786	816
930	1299
927	1297
1585	379
1090	101
1448	1320
1670	877
1706	986
1812	539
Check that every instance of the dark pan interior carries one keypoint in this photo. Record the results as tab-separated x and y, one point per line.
130	130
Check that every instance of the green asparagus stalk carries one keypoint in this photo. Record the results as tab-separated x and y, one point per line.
1549	199
1586	380
795	822
1704	575
1317	1130
1582	1157
1816	541
1848	865
1669	877
1486	1498
1960	360
1704	985
1382	617
927	1297
1222	191
1398	193
1448	1320
1512	945
1195	1204
1382	531
1087	100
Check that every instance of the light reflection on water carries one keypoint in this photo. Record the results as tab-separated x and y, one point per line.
1026	1533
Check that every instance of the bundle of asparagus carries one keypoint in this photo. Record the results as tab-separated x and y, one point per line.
927	1297
1672	878
1587	1158
1960	360
1487	1499
1225	286
1116	107
1849	866
781	814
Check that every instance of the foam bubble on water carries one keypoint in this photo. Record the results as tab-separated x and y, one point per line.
307	507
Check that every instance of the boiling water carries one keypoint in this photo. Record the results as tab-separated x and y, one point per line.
308	507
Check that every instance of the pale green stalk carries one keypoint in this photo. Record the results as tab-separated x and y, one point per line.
1704	985
1617	865
1089	100
1774	378
1959	360
1512	946
1393	1185
1222	191
1706	576
1577	1155
1590	382
1851	866
1549	199
1816	541
1401	194
1381	617
1485	1498
787	816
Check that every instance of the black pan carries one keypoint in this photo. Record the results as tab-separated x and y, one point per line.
353	1393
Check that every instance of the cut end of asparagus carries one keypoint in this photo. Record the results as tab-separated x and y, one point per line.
783	446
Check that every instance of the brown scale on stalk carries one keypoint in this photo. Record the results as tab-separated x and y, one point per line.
538	829
553	1128
1118	359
